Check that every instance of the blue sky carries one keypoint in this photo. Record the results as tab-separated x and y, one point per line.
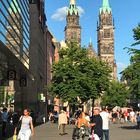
126	17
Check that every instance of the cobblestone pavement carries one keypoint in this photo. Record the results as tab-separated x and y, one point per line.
49	131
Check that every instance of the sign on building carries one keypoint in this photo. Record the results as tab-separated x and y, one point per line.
23	80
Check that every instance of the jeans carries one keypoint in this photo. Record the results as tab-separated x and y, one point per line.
106	134
138	125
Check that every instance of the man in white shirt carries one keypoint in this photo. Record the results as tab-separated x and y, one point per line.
105	117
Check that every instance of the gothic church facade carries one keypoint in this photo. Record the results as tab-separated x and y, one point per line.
105	33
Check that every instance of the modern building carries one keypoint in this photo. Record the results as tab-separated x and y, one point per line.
105	31
23	54
37	95
73	28
14	47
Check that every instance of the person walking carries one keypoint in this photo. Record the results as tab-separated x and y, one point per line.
4	121
62	121
81	121
27	128
97	123
138	120
105	117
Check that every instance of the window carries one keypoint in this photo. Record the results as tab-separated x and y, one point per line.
106	33
32	1
74	36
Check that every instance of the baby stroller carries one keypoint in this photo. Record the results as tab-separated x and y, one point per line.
82	132
79	133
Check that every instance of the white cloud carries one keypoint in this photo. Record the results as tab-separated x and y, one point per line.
81	10
60	13
121	65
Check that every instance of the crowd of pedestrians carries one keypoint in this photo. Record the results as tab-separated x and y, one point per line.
128	115
94	125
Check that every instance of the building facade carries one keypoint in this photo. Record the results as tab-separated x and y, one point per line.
15	28
105	31
14	49
37	95
52	46
23	54
73	28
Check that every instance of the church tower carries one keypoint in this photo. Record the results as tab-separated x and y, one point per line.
72	28
105	31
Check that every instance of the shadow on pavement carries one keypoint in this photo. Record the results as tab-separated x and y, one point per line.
129	127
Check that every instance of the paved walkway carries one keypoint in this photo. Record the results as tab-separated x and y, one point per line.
117	132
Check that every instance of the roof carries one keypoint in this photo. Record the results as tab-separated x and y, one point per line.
73	10
105	7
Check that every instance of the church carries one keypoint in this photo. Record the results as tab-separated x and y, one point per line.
105	38
105	33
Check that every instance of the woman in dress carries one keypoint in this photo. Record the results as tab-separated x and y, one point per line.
27	128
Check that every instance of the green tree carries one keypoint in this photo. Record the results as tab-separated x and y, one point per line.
132	73
117	95
77	75
136	35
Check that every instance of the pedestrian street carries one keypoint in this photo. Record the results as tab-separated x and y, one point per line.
49	131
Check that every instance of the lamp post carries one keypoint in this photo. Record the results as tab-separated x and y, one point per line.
93	100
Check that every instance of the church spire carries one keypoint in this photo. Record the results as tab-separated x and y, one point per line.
72	28
73	10
72	2
105	7
91	51
90	40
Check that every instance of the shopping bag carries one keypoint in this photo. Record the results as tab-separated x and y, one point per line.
96	137
14	137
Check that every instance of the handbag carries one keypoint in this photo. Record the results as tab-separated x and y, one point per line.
18	126
14	137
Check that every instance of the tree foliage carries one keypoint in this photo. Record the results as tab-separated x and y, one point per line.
136	35
77	75
132	73
117	95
